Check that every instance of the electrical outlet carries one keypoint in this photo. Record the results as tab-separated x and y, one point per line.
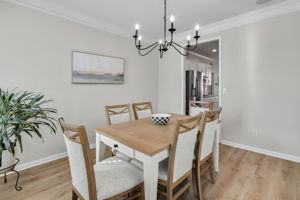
255	132
224	91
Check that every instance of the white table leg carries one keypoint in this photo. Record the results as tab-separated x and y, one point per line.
216	151
100	148
150	179
150	164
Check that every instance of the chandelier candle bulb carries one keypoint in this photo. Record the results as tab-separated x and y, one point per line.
188	38
197	29
172	19
137	27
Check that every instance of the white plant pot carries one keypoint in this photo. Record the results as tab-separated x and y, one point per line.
7	159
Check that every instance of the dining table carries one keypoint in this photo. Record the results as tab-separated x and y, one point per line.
146	142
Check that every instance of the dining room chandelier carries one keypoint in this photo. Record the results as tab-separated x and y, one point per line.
163	45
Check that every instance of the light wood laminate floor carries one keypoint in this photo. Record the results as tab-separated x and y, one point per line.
243	175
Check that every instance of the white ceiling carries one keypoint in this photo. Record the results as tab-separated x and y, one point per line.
206	49
122	15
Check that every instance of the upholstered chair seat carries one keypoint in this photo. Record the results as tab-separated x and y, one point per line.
163	168
114	176
122	156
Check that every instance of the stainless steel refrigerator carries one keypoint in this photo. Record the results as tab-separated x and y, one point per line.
199	85
193	87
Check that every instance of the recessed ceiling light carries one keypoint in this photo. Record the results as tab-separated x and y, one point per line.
214	50
260	2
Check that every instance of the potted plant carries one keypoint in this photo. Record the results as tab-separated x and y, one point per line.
21	113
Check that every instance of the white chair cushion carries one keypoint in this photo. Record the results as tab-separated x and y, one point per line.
197	110
144	113
122	156
114	176
137	163
208	138
162	171
119	118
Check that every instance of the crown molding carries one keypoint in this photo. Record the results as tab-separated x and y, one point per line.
279	9
248	18
75	16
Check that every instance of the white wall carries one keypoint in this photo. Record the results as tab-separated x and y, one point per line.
260	69
35	55
170	79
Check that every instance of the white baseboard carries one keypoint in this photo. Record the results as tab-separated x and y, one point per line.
225	142
43	160
262	151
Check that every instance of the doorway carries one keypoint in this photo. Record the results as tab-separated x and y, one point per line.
201	74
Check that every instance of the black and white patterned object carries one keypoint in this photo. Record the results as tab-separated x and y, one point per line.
160	119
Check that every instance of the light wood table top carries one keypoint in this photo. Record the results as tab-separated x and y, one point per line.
143	135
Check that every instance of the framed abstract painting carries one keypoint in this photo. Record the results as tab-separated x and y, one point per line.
94	68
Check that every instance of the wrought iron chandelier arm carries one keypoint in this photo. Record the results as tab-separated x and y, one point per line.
187	51
194	46
179	46
139	47
153	47
161	54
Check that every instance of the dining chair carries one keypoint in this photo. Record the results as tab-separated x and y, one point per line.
117	114
177	169
142	110
109	179
204	148
195	107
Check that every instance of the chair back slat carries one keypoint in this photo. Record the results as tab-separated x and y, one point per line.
81	166
182	149
142	110
117	114
196	107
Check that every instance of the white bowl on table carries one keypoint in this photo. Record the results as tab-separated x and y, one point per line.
160	119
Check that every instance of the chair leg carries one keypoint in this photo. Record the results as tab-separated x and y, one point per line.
142	192
74	195
198	181
169	193
190	180
211	164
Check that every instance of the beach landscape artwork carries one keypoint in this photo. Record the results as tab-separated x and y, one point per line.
93	68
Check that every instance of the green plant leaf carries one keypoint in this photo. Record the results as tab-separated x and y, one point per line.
22	113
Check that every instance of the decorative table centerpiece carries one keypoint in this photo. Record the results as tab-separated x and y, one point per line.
160	119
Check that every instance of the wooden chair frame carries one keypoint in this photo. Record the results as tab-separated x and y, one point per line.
208	116
182	127
141	106
80	137
109	110
206	104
